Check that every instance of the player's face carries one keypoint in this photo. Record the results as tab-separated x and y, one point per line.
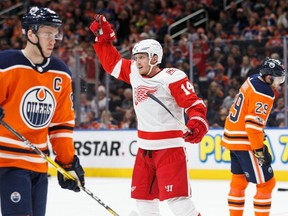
47	38
142	62
277	81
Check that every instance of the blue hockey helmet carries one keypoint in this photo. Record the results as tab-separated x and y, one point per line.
274	68
37	17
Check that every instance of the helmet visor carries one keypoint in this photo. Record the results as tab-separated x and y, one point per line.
279	79
49	34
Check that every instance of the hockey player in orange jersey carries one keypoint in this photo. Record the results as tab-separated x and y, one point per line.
244	137
36	94
160	169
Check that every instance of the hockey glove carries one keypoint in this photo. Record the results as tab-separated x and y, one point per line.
76	170
199	127
2	113
263	156
101	28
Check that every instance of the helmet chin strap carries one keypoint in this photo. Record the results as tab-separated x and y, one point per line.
268	83
272	80
45	59
151	66
39	47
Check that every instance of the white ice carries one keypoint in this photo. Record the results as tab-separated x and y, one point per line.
209	197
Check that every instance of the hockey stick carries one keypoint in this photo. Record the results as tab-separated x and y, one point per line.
183	126
282	189
56	165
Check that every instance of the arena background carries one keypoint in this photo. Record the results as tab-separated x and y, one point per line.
182	27
110	153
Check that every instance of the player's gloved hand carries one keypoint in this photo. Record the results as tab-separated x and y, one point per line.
76	170
199	127
2	113
101	28
263	156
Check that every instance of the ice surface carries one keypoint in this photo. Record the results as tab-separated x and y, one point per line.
208	196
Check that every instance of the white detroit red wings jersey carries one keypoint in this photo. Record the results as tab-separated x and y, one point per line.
157	129
37	105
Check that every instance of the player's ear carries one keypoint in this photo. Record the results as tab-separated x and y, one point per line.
31	36
269	79
154	59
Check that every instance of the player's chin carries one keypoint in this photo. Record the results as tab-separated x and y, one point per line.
47	54
275	86
143	72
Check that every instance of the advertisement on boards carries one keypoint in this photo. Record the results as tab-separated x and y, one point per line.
114	150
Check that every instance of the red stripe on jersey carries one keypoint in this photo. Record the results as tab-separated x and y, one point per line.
160	135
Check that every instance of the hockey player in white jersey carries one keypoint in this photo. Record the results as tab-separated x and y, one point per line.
160	170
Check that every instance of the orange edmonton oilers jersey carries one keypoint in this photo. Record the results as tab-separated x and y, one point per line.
38	106
244	126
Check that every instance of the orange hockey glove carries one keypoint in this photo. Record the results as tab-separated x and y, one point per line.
199	127
101	28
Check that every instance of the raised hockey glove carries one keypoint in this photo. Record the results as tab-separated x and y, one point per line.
101	28
76	170
2	113
199	127
263	156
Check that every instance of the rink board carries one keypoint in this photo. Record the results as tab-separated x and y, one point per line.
111	153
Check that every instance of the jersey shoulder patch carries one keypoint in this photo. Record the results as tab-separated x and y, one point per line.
173	74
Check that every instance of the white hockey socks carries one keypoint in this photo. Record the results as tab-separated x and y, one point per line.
182	206
148	207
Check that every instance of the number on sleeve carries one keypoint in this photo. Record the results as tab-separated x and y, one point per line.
187	88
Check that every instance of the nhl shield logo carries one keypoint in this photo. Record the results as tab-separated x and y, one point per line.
37	107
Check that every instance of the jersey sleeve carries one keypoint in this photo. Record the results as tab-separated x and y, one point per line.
257	114
62	125
185	96
4	68
3	87
112	61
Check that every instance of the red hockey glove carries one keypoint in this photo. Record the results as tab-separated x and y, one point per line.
101	28
199	127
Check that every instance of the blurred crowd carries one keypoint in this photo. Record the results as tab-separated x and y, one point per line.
226	50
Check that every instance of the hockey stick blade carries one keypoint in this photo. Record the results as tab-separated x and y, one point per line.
183	126
56	165
282	189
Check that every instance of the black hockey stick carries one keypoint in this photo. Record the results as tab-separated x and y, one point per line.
183	126
56	165
282	189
